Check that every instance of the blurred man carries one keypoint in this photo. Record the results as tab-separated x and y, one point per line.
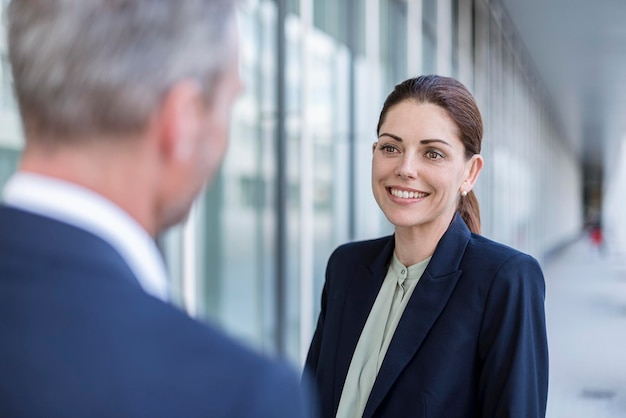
125	107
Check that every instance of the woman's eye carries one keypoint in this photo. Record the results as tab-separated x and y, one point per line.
433	155
388	148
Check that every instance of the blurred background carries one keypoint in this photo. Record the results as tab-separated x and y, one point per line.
548	75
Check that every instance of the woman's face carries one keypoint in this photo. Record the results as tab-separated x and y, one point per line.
419	167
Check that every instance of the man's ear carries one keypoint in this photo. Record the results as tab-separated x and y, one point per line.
181	120
474	166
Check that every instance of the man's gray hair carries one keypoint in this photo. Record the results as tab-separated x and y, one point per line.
83	67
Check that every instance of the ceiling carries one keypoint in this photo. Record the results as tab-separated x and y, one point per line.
579	49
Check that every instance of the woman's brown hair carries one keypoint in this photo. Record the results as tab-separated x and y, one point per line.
459	104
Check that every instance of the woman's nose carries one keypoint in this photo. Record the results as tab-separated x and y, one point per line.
407	167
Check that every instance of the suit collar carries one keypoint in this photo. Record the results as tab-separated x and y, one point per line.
450	249
426	304
379	265
75	205
55	242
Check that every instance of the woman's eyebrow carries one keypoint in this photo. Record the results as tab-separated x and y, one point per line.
396	137
423	141
430	141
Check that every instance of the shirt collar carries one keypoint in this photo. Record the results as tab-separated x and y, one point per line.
413	272
85	209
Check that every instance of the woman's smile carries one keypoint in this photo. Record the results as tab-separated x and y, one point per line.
406	194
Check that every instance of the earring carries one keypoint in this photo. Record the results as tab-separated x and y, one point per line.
463	193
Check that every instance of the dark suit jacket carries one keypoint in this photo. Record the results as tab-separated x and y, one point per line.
471	342
80	338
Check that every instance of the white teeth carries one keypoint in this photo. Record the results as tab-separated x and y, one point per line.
407	195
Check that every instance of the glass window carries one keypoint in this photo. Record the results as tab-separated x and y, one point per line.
6	84
8	164
317	164
343	20
455	39
226	251
429	32
393	16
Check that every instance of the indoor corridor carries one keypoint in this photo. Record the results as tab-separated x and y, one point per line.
586	318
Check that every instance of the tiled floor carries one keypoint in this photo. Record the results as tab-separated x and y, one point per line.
586	318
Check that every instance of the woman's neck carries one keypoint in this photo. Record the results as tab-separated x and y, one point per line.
415	244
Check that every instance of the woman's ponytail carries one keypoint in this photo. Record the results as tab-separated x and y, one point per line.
468	208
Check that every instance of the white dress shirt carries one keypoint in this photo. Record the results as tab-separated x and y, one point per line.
85	209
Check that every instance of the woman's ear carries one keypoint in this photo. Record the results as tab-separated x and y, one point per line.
473	167
374	146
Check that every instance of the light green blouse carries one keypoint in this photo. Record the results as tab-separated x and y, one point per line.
381	324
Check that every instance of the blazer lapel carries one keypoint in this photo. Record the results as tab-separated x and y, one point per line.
426	304
359	297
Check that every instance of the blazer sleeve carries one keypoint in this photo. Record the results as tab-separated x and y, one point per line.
513	344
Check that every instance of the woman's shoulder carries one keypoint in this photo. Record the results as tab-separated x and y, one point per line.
492	252
504	273
496	264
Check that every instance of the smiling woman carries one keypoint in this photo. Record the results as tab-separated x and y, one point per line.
435	320
419	171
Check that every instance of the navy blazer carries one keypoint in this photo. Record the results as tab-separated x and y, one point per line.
470	343
81	338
